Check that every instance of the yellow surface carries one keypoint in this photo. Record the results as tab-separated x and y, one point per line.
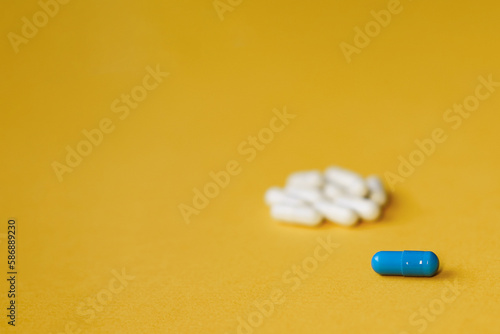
118	209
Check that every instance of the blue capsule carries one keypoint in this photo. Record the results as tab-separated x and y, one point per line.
405	263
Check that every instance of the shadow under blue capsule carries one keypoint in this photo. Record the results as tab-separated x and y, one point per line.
405	263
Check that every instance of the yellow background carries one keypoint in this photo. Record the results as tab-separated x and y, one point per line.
119	207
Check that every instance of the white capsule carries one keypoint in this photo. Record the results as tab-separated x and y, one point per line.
352	182
336	213
309	195
276	195
307	179
377	191
365	208
332	190
301	215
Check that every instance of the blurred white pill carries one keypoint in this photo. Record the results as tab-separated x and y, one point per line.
352	182
365	208
301	215
307	179
377	191
306	194
332	190
336	213
276	195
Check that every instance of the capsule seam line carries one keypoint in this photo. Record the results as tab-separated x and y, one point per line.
401	263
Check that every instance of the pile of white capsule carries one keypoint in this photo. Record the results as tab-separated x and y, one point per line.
341	196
